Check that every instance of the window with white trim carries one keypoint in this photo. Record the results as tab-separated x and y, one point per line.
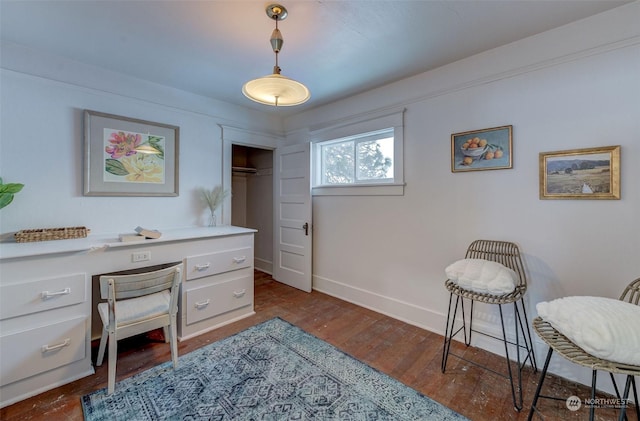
362	157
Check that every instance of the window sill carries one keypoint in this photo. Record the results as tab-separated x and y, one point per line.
360	190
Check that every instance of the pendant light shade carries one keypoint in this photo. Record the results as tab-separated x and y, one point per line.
275	89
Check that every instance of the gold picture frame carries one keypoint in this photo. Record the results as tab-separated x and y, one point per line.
590	173
486	149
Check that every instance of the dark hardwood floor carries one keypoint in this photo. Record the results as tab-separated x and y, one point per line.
405	352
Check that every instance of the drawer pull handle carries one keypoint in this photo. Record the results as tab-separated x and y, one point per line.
239	259
46	294
200	268
47	348
201	305
239	294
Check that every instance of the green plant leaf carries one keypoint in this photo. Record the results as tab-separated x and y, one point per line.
5	199
7	191
115	167
11	188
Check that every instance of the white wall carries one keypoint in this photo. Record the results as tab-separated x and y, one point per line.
574	87
41	144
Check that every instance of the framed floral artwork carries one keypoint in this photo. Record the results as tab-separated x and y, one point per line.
129	157
590	173
486	149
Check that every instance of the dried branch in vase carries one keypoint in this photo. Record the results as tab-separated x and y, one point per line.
213	199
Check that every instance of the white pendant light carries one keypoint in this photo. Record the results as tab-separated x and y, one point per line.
275	89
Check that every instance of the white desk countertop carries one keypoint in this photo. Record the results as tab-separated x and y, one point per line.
12	249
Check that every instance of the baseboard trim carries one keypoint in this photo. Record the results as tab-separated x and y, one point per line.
263	265
398	309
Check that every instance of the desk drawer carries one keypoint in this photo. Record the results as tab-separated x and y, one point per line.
220	262
34	351
41	295
211	300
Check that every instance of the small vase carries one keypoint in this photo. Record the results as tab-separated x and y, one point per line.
212	219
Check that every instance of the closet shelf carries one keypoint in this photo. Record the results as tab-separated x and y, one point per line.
244	170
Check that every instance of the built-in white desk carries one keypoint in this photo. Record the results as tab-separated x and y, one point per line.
46	297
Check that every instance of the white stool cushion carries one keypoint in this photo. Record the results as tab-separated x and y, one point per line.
604	327
482	276
137	309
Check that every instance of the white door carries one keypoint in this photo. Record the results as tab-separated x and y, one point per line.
292	216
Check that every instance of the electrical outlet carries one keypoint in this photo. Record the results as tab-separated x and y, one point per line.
140	256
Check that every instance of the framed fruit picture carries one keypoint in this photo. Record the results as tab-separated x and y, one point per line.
486	149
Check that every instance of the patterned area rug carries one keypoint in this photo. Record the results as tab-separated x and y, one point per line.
272	371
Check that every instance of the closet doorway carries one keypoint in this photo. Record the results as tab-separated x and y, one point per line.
252	199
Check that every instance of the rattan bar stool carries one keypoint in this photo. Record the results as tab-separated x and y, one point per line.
507	254
565	348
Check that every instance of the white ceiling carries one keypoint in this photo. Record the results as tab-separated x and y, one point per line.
336	48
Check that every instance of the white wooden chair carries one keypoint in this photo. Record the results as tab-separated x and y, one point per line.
138	303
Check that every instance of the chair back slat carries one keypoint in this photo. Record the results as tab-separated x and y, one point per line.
137	285
631	294
503	252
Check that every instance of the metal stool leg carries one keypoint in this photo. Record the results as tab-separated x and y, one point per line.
517	403
448	333
467	342
528	345
592	411
615	386
449	330
635	395
623	410
539	388
630	384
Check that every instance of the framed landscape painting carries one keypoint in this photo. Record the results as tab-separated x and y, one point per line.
487	149
592	173
129	157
